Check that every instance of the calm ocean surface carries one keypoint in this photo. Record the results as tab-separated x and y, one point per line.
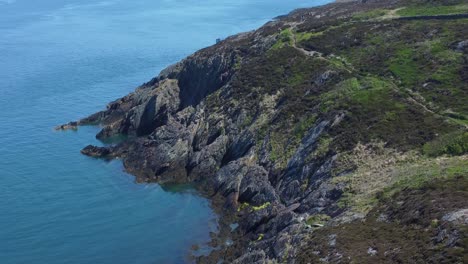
61	60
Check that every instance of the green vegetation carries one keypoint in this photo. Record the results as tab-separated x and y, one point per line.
320	219
260	237
287	73
410	63
288	37
285	38
392	94
405	61
430	66
455	143
431	10
387	173
238	62
281	151
400	229
302	36
323	146
457	118
247	121
304	125
244	206
405	66
261	207
396	83
416	175
370	14
371	89
342	91
377	110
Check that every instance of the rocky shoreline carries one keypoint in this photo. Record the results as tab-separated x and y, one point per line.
263	124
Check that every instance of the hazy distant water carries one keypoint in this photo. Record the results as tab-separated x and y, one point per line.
64	59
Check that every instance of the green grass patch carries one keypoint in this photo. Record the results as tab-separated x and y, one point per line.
433	10
304	125
285	38
296	79
414	218
455	143
303	36
282	148
456	118
370	14
375	179
340	63
405	66
342	90
320	219
323	146
365	90
372	90
431	61
417	175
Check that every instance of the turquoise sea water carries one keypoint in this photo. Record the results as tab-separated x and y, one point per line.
61	60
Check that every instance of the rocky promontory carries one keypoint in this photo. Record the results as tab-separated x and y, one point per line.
334	134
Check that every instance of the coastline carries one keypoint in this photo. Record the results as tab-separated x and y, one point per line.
182	132
226	208
227	213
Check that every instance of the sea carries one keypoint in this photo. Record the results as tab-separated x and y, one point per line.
61	60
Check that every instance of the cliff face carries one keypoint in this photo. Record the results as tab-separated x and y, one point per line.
322	133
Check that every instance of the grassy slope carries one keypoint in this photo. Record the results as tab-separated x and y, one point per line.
398	230
399	82
402	63
403	88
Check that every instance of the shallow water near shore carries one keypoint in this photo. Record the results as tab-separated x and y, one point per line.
61	60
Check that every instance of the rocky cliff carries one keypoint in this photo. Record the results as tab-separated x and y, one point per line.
332	134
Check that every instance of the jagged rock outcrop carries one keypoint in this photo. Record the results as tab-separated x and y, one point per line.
268	121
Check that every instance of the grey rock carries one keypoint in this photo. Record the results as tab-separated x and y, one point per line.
239	147
462	45
281	244
229	177
372	251
255	187
459	217
94	151
324	77
69	126
332	240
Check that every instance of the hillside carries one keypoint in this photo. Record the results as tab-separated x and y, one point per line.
335	134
